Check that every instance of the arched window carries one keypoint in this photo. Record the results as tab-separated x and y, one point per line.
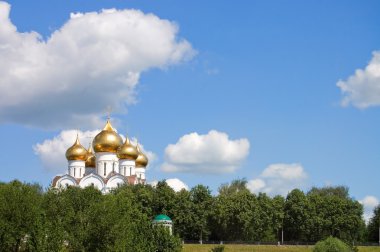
105	167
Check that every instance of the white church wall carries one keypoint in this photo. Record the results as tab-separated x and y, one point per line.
92	180
114	182
127	167
140	173
76	168
105	163
66	181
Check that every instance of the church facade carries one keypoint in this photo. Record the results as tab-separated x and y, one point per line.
106	164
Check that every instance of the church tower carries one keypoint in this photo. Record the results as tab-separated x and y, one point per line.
127	154
76	156
105	145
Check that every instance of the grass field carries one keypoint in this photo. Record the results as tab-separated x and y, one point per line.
261	248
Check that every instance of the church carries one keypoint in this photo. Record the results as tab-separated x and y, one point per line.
107	164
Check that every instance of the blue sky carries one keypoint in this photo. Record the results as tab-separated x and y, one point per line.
263	71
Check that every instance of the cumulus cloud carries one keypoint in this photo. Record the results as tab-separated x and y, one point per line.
362	89
175	183
369	203
213	152
52	151
279	179
93	61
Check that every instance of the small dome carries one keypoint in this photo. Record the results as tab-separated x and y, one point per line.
90	162
76	151
127	151
107	140
162	217
141	160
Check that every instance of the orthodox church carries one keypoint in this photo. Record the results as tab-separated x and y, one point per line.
107	164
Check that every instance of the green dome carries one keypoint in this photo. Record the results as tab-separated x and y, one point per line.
162	217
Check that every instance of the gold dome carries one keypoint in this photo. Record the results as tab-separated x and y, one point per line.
90	162
76	151
127	150
107	140
141	160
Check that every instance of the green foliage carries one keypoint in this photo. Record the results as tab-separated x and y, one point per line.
219	248
331	244
20	217
323	212
164	242
77	219
235	186
338	191
374	225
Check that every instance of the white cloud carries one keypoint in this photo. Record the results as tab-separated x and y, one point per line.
93	61
256	185
177	184
210	153
52	151
279	179
369	203
174	183
362	89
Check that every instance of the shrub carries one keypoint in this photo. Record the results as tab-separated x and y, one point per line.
164	241
219	248
331	244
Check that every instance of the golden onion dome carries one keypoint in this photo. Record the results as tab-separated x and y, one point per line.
141	160
90	162
76	151
127	150
107	140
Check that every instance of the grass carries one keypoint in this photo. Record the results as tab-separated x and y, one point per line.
261	248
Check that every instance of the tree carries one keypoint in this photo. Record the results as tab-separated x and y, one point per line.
233	216
201	198
20	217
334	213
296	215
338	191
373	226
184	216
278	204
235	186
163	199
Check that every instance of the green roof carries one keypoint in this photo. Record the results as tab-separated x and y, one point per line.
162	217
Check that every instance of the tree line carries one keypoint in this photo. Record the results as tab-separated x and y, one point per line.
75	219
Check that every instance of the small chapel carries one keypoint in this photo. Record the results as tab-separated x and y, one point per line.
106	164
